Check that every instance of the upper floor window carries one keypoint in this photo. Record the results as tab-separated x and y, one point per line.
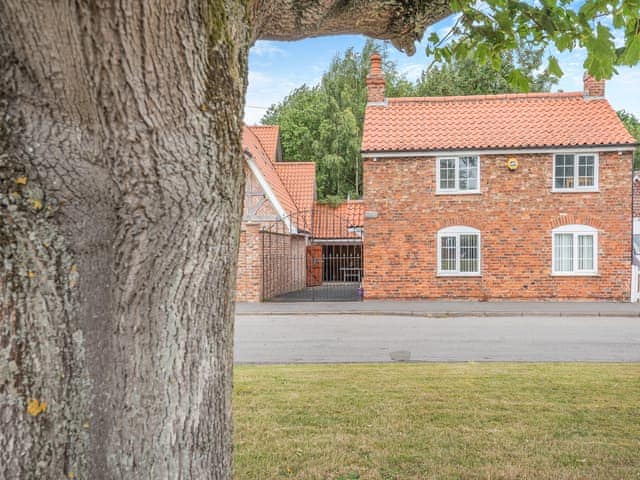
575	250
459	251
458	174
575	172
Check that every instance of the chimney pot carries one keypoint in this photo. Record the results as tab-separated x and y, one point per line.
593	88
375	80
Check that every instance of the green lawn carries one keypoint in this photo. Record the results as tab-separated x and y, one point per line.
444	421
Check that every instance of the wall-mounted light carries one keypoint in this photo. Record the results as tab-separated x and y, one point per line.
512	163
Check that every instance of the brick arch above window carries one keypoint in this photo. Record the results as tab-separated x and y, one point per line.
466	220
562	220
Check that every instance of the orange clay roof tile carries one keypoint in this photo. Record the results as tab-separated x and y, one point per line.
299	178
338	222
491	122
269	136
252	144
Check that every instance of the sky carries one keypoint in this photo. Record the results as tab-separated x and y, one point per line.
275	68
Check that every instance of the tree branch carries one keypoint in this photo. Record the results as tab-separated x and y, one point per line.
403	22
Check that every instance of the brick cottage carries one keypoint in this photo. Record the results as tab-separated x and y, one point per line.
515	196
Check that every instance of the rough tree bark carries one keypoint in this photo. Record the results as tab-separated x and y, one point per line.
121	185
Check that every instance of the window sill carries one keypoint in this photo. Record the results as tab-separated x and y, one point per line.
458	192
576	274
442	274
575	190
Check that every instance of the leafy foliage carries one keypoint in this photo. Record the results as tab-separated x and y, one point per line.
324	123
467	76
633	126
489	28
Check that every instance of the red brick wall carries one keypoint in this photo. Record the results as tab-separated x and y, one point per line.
249	273
515	213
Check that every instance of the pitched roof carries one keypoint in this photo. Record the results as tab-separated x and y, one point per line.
299	178
269	136
252	144
339	221
491	122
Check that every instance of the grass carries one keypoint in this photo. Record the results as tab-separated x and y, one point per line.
437	421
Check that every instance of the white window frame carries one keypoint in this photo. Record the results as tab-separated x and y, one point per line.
575	188
456	190
575	230
456	231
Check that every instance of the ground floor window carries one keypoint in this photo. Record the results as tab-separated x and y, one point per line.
459	251
575	250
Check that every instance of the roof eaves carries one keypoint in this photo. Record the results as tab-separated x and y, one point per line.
527	148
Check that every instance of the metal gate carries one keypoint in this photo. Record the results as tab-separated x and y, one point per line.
310	257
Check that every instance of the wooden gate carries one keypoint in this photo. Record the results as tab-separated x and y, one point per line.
314	265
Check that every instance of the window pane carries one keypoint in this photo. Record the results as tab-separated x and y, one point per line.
469	253
586	169
447	173
636	244
448	254
563	252
585	252
563	175
468	172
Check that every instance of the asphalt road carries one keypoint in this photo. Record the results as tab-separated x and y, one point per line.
380	338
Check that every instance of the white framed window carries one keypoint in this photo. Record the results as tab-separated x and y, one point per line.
459	251
575	172
458	174
575	250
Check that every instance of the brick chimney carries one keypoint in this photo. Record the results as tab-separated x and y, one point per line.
375	81
593	88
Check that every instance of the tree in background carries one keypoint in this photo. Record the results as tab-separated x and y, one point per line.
632	124
323	123
468	76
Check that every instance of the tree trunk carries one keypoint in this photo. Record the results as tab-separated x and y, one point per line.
121	173
121	181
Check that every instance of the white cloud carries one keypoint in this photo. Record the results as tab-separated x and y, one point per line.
265	48
412	71
259	78
264	89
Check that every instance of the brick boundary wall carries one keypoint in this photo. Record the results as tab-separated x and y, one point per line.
284	264
515	213
249	273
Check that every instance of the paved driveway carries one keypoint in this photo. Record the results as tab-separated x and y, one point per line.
380	338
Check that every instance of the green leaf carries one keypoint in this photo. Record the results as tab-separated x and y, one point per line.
519	80
631	53
554	67
482	52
